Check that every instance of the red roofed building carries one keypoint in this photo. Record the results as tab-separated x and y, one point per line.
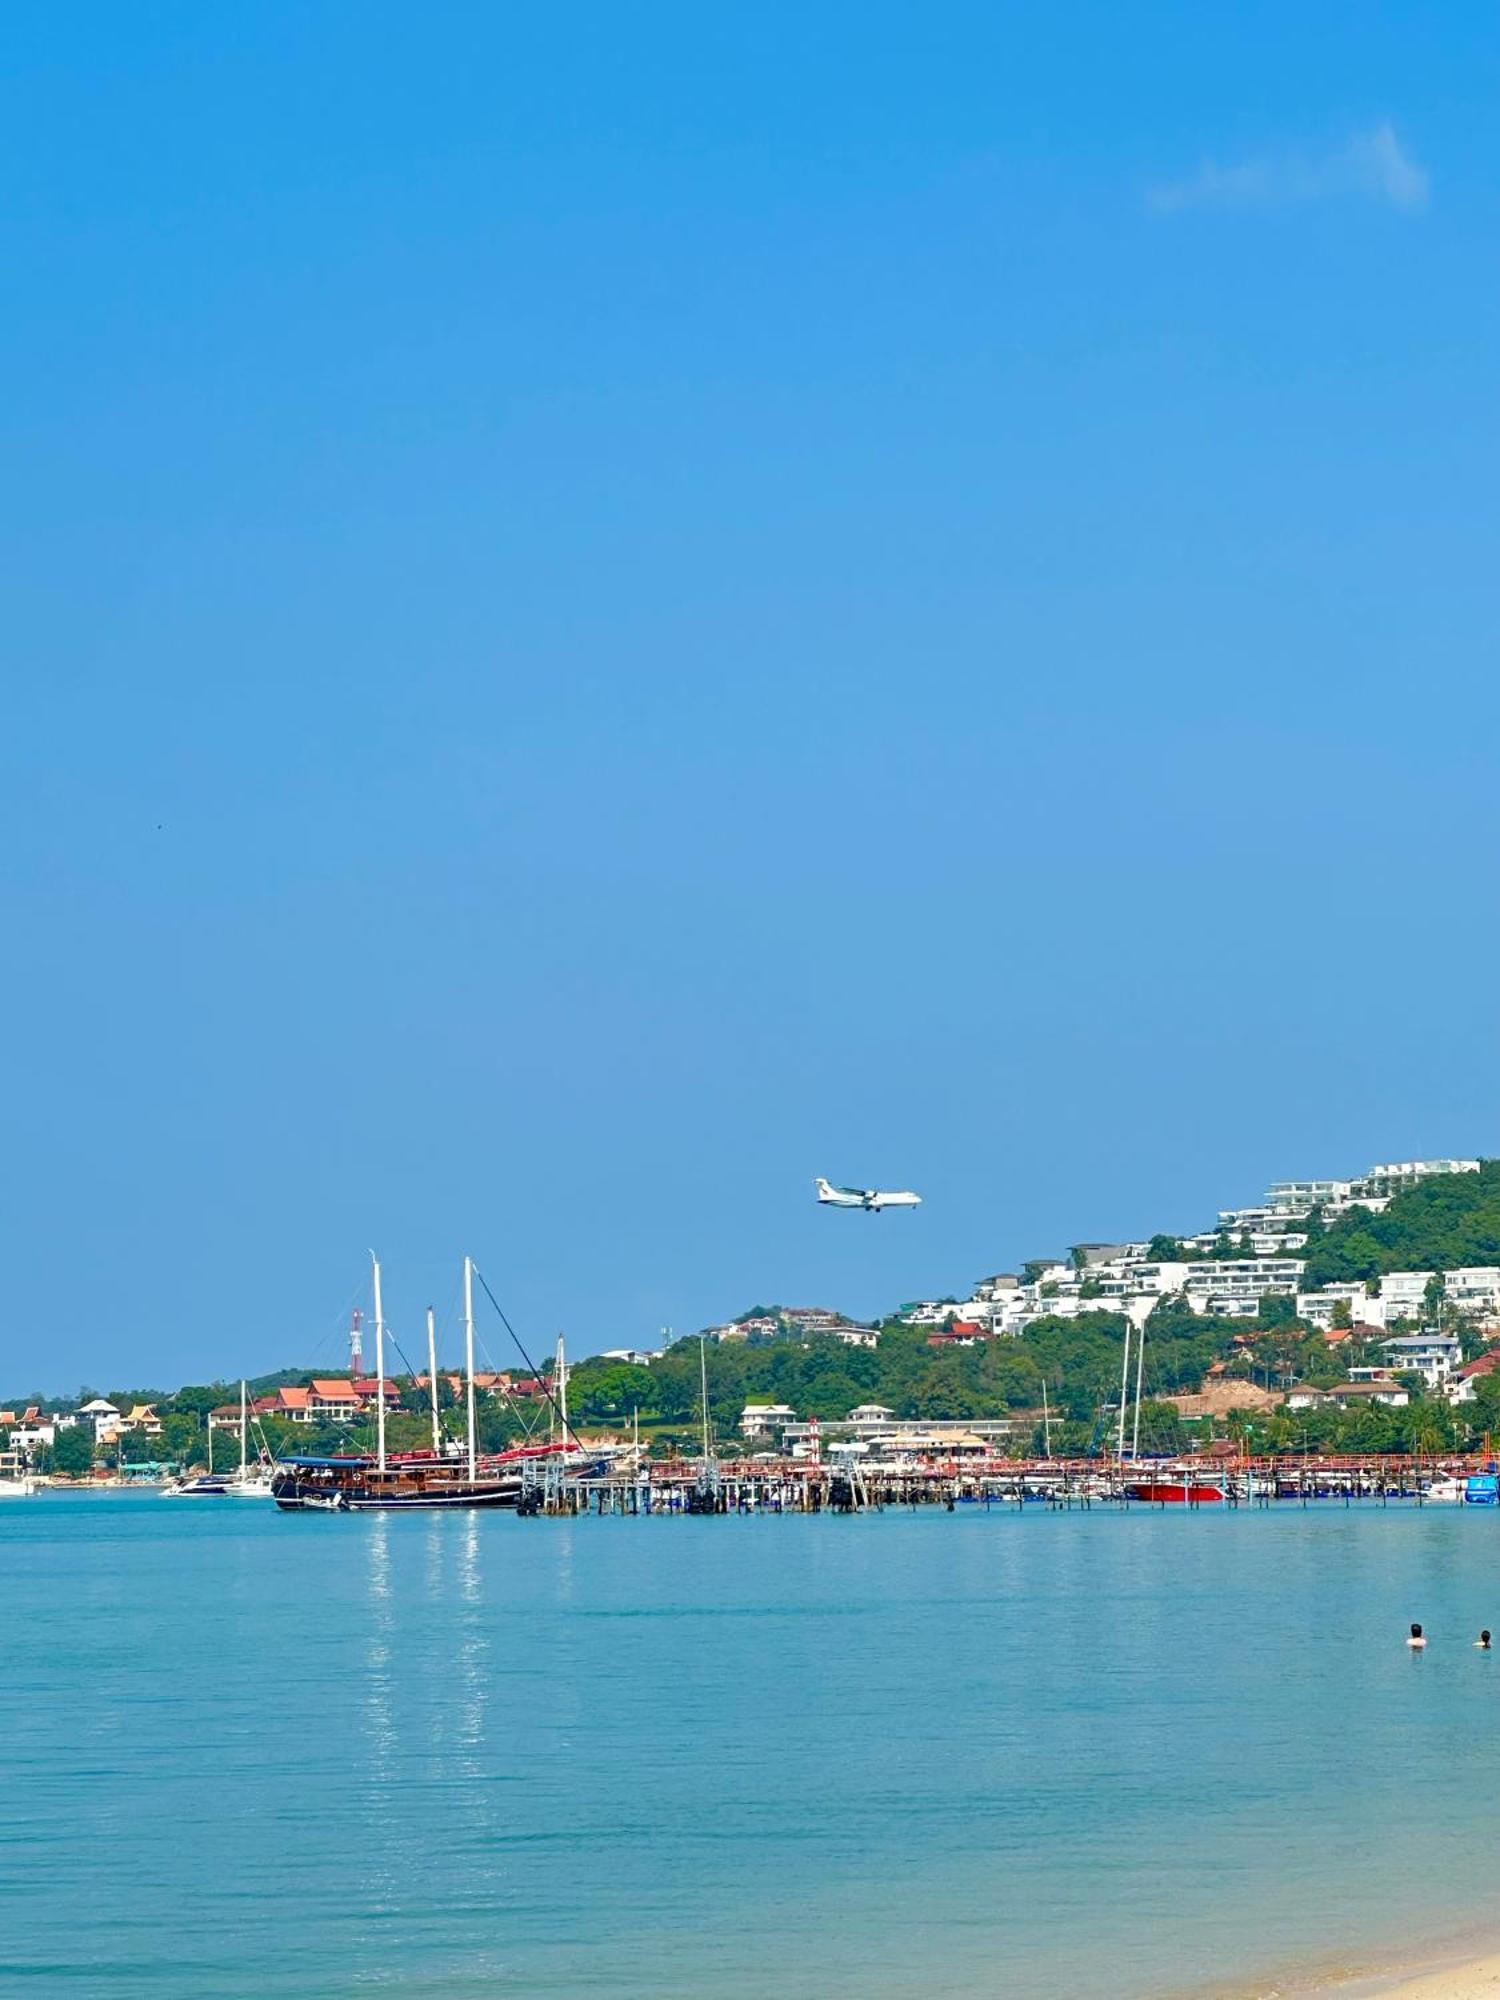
332	1400
366	1388
292	1405
1462	1388
962	1333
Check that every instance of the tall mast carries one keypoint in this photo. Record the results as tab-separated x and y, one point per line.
560	1379
1140	1356
437	1441
703	1373
1124	1392
469	1360
1046	1421
242	1427
379	1367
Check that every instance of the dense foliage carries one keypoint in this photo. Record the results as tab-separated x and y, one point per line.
1440	1224
1078	1360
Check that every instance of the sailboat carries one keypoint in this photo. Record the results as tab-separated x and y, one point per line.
211	1485
249	1485
1158	1487
359	1482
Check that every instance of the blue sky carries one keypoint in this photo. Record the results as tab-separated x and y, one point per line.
610	609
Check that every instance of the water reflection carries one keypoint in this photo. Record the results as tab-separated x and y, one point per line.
473	1653
378	1708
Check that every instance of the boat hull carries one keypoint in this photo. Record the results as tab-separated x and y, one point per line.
399	1495
1174	1492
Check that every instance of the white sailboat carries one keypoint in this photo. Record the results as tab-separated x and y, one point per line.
248	1485
211	1485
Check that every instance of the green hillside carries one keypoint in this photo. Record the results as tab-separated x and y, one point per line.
1442	1223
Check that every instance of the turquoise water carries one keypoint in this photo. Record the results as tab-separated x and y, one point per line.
969	1754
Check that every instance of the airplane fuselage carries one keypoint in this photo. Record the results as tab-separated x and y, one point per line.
869	1199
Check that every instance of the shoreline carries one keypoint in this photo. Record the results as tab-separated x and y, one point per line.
1471	1979
1463	1966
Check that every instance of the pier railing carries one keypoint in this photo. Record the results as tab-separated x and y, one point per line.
786	1485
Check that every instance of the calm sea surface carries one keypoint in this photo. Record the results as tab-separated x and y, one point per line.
914	1754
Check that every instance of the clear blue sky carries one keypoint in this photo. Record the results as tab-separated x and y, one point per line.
611	608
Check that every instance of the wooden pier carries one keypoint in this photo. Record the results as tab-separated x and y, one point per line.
800	1486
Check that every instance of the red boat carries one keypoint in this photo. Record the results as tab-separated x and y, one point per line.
1174	1492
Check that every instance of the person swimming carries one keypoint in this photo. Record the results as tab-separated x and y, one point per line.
1416	1641
1483	1641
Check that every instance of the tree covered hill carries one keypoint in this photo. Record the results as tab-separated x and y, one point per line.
1078	1359
1440	1224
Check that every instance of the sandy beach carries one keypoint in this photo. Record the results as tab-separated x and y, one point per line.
1478	1979
1461	1978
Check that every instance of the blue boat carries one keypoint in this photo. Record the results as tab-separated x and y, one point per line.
1482	1489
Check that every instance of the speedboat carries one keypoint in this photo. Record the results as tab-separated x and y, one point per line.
1174	1492
1446	1489
203	1486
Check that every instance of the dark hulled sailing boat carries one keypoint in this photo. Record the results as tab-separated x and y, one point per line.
361	1481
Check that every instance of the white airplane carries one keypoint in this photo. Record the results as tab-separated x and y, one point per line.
869	1199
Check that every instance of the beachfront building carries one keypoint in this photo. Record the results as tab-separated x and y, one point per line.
31	1431
104	1416
887	1438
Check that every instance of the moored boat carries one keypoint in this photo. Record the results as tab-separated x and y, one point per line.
1174	1492
458	1476
201	1486
414	1480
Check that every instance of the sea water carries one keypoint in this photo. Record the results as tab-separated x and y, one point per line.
915	1753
